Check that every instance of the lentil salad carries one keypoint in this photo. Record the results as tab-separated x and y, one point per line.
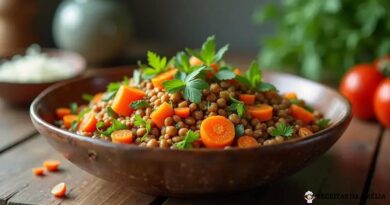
194	100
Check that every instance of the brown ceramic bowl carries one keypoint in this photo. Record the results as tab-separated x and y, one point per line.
195	172
22	94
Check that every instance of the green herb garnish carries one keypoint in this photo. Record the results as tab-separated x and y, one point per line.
239	130
156	66
140	122
99	125
139	104
191	86
283	130
87	97
207	54
73	126
323	123
225	75
137	77
188	140
73	107
237	106
302	104
116	125
111	112
182	62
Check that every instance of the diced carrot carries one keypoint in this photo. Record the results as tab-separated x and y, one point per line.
262	112
62	111
68	120
122	136
51	165
38	171
59	190
158	80
88	123
304	132
163	111
217	132
96	98
290	95
301	113
246	142
194	61
124	97
247	99
182	112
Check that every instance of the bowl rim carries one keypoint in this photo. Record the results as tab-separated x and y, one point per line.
50	51
125	147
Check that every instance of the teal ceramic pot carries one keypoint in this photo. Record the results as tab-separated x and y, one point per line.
97	29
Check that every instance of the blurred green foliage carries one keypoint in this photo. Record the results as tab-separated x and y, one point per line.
323	38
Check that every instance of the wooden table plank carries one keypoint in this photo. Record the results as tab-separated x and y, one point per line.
341	170
380	186
19	186
15	126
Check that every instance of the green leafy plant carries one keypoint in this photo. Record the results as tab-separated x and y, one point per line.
116	125
237	106
208	53
323	123
190	85
324	38
188	140
140	122
156	66
139	104
283	130
253	79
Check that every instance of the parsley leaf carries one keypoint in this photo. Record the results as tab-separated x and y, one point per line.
188	140
302	104
283	130
191	86
73	107
140	122
225	75
87	97
116	125
182	62
207	53
137	77
73	126
264	87
237	106
174	85
99	125
253	79
156	63
111	112
239	130
139	104
323	123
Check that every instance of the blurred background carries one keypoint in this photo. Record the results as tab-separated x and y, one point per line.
317	39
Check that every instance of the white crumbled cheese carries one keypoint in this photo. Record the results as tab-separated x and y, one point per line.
34	67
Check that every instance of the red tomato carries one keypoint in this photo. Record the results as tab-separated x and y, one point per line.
359	85
382	102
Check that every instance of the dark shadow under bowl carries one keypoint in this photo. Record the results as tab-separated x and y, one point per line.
190	172
22	94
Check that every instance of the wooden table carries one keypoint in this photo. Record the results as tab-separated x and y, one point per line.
358	164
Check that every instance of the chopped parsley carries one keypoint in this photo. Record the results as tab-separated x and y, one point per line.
73	107
157	65
208	54
188	140
237	106
323	123
116	125
139	104
239	130
190	85
253	79
87	97
140	122
283	130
